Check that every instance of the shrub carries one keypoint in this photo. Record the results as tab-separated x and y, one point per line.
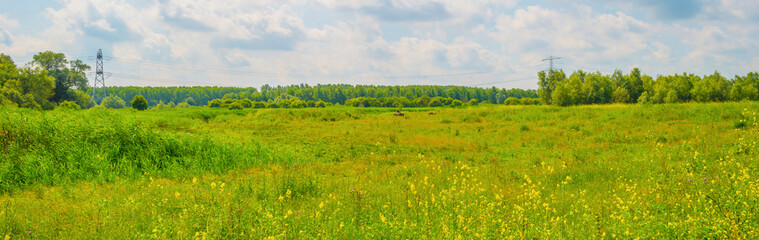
139	102
69	105
512	101
235	106
259	105
113	102
215	103
435	103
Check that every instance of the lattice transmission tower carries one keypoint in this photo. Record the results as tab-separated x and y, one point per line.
99	94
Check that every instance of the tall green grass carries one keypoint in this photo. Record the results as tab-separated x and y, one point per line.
55	147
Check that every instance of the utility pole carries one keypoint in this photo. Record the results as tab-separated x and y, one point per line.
99	79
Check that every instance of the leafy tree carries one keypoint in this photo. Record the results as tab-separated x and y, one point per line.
561	96
139	103
621	95
548	82
644	99
671	97
114	102
65	77
82	99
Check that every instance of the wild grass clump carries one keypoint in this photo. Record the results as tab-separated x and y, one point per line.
51	148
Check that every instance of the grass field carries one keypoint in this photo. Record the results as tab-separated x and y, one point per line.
493	171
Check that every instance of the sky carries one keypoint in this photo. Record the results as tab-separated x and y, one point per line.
484	43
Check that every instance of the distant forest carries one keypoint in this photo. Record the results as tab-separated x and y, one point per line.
331	93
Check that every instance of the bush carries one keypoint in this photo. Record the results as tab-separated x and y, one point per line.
183	105
235	106
321	104
216	103
473	102
457	103
512	101
114	102
259	105
69	105
435	103
246	103
139	102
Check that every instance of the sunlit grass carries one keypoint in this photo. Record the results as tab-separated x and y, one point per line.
612	171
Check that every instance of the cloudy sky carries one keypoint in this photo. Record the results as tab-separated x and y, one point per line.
383	42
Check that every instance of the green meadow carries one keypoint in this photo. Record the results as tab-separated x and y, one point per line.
479	172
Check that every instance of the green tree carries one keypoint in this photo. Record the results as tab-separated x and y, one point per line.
114	102
644	99
671	97
561	96
139	102
548	82
621	95
66	77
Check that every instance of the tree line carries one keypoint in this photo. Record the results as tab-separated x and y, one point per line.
595	88
329	93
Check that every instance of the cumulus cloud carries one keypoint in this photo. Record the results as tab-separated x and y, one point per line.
6	25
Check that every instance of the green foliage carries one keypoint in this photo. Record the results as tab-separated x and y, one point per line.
235	106
113	102
644	99
138	102
512	101
457	103
66	77
473	102
621	95
71	105
435	102
329	93
259	105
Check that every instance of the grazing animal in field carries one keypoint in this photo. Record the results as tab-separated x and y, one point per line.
398	113
433	113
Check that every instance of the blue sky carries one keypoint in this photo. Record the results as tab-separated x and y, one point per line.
383	42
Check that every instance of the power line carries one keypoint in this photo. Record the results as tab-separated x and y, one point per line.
506	81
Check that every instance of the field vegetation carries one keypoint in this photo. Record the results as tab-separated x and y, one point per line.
485	171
